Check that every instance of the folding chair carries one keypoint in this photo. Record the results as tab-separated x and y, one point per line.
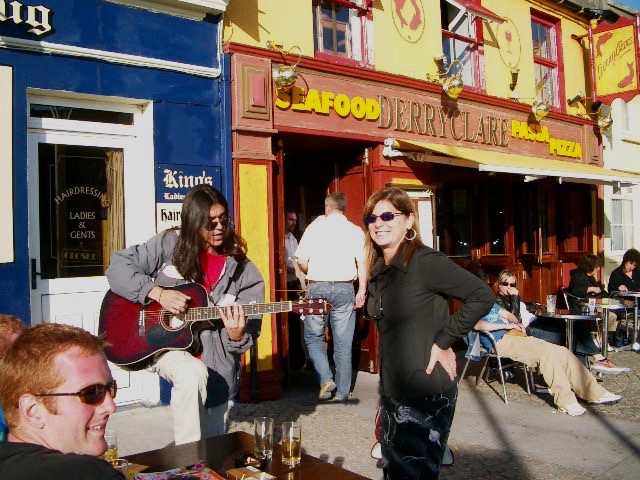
479	352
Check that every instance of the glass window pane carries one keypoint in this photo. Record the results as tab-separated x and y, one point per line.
81	209
496	224
80	114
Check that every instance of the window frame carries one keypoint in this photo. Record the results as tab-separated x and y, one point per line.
555	65
364	13
627	197
475	44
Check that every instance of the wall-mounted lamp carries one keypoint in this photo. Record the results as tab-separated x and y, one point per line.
540	109
580	97
284	76
452	85
605	122
514	78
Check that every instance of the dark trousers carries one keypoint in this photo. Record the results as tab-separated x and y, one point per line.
415	433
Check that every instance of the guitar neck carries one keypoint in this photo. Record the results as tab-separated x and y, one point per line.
200	314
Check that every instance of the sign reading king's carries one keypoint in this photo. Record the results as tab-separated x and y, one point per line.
614	60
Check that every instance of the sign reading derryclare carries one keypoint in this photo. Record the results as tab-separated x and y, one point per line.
174	181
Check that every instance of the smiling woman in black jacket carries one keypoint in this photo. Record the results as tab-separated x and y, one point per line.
408	297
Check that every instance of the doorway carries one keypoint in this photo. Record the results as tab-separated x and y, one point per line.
310	167
82	186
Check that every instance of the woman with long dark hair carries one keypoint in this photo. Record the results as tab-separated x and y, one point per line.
408	297
205	249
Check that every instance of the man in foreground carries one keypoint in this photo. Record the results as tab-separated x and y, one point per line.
57	394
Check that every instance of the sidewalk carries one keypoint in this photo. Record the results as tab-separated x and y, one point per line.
527	439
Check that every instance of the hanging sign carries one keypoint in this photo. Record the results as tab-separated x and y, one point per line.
614	60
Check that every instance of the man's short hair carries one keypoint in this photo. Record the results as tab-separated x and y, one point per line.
10	326
337	201
28	364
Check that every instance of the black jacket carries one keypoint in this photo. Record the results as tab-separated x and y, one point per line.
618	278
580	282
415	315
26	461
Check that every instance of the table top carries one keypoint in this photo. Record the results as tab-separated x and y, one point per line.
610	303
628	293
218	454
573	314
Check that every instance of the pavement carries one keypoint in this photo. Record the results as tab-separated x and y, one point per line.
526	439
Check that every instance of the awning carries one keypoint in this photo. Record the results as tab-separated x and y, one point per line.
477	10
532	168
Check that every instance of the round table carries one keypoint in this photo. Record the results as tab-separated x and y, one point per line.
569	316
635	294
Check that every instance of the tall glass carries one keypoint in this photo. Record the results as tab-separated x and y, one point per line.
291	443
111	455
551	303
263	435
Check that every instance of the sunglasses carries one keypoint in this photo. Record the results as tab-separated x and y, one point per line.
507	284
213	224
91	395
385	217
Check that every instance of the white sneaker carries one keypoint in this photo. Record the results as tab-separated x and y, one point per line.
573	409
607	366
607	399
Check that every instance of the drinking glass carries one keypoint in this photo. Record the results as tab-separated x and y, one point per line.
121	465
263	435
551	303
291	443
111	455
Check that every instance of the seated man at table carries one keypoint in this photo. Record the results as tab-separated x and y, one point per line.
57	393
561	370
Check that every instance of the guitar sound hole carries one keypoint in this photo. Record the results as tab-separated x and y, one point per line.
171	322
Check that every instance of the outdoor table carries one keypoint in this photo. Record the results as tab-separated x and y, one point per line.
218	454
569	316
605	304
635	294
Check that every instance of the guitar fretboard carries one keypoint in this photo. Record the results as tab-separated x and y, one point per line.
213	313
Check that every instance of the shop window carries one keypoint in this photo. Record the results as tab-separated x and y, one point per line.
574	219
621	220
81	208
453	222
343	31
62	112
496	223
545	33
460	41
534	221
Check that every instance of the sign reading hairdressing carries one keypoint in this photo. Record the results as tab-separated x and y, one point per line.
174	181
37	17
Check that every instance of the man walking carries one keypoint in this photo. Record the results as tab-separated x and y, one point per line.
331	253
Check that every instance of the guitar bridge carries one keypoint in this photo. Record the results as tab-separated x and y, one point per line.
141	323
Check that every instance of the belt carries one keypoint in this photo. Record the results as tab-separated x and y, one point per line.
329	281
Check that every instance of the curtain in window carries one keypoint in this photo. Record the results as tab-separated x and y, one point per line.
113	237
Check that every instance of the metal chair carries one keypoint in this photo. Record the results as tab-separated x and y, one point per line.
479	353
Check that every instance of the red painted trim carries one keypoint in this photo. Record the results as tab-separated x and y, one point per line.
339	60
352	136
395	80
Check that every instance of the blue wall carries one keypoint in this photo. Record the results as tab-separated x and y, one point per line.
190	124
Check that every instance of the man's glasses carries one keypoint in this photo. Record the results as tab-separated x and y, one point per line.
213	223
91	395
507	284
385	217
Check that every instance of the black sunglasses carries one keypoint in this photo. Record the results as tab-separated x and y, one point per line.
213	224
91	395
507	284
385	217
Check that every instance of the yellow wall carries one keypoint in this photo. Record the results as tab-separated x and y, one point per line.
291	23
253	193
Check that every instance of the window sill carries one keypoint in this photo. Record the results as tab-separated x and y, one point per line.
338	60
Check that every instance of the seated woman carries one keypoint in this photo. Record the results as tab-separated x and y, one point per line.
561	370
508	297
627	276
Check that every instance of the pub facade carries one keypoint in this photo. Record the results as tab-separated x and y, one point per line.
354	97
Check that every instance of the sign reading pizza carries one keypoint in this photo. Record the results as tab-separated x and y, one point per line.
614	53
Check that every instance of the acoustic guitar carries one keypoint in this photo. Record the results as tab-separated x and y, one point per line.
135	333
